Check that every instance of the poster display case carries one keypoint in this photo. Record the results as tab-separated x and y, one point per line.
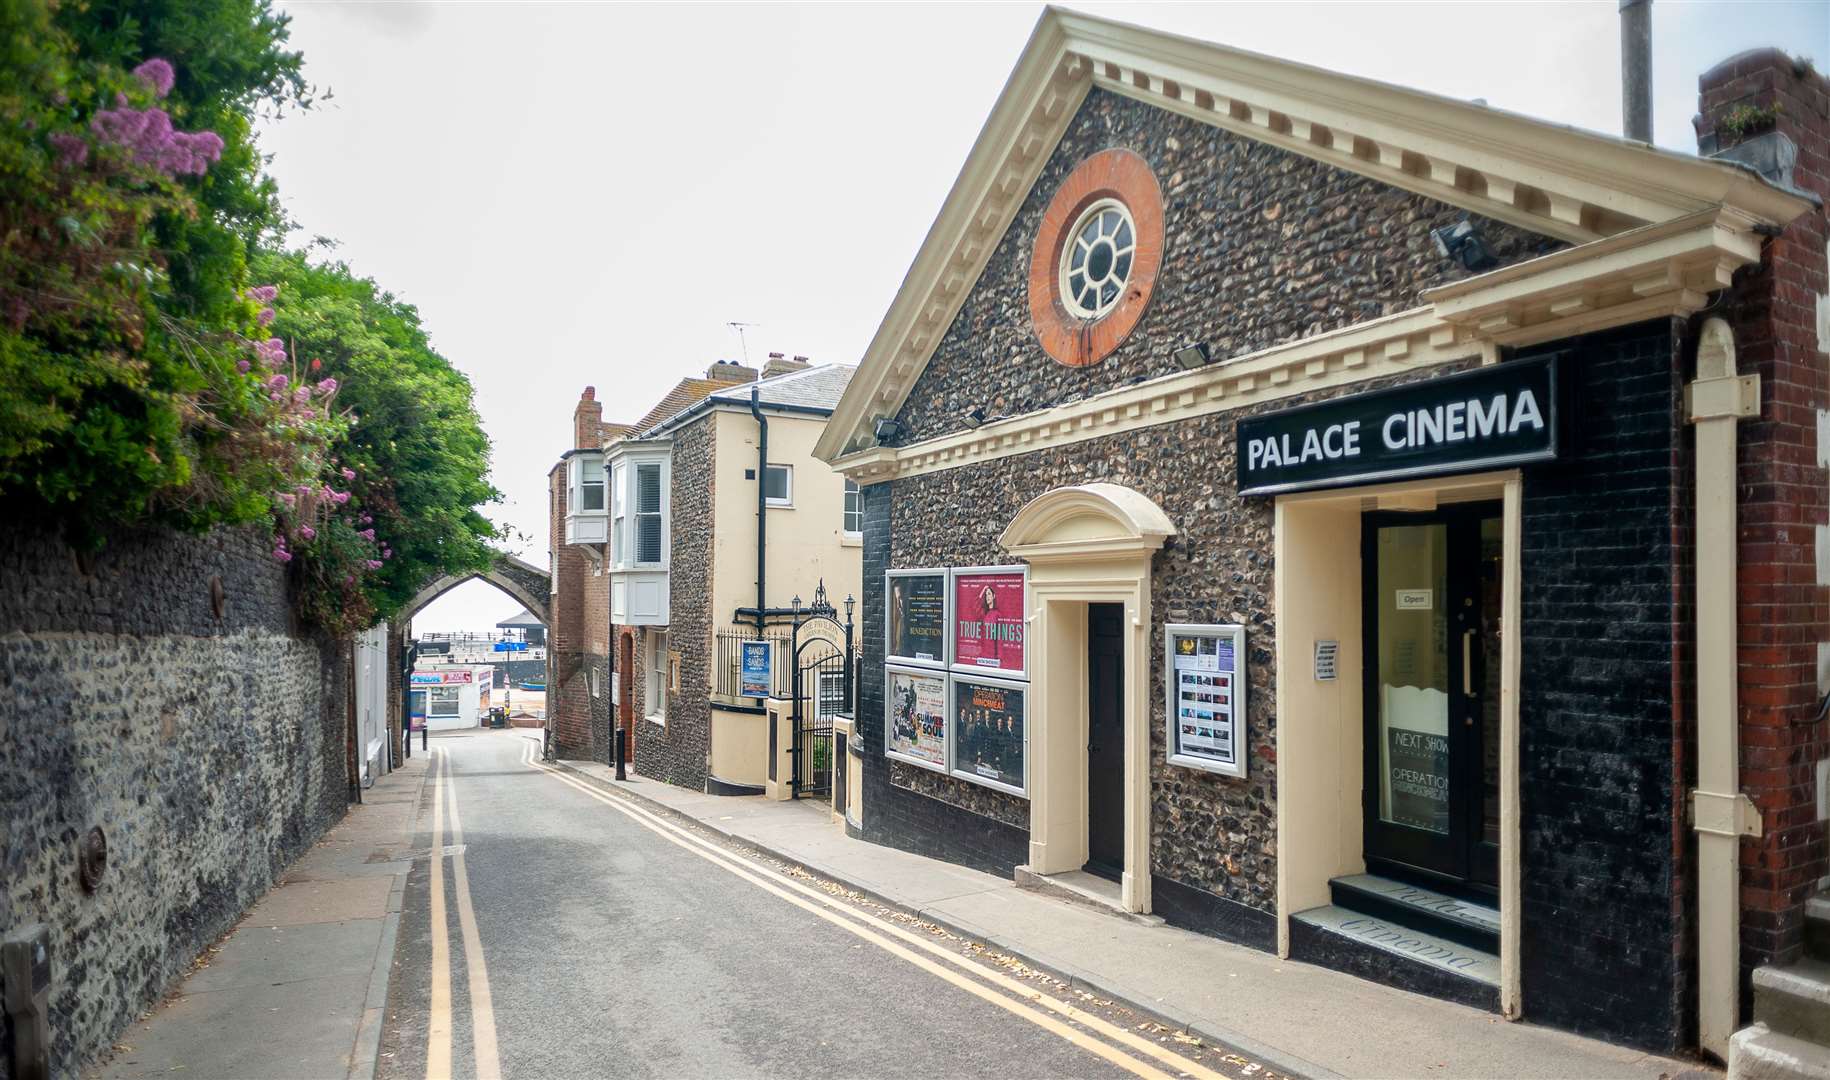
915	722
992	732
915	617
1204	714
990	619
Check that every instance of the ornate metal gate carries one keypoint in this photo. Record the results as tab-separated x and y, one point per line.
821	661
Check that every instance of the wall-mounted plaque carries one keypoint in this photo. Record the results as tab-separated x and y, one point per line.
991	732
915	610
1205	684
989	619
1326	654
915	720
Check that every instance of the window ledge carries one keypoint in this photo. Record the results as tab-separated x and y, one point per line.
849	539
658	721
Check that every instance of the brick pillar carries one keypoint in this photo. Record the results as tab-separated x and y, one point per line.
1778	311
567	704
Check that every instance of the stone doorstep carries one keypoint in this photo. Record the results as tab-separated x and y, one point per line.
1795	1001
1817	926
1087	890
1475	925
1446	957
1760	1053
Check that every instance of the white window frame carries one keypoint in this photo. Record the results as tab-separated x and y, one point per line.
655	678
787	499
618	513
851	508
636	513
457	700
576	483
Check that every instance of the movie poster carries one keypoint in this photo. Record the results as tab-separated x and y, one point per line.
917	606
917	706
1206	697
988	621
988	719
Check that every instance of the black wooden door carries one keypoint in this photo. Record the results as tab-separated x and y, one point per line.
1106	739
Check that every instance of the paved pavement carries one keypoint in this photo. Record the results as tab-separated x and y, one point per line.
1291	1016
297	989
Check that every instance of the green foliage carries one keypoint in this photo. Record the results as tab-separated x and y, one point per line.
1748	120
122	315
415	444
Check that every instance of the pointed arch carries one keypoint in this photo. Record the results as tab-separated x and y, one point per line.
526	584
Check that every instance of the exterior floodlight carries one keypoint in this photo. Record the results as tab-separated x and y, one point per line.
975	418
1462	243
1193	355
888	429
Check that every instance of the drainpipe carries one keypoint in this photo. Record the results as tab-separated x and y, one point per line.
1636	69
762	507
1720	813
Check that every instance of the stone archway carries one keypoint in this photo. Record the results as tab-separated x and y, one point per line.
526	583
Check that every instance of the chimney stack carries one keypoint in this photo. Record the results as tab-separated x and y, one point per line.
587	421
1636	69
730	371
779	365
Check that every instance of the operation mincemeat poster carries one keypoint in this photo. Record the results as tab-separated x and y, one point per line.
988	621
918	717
989	720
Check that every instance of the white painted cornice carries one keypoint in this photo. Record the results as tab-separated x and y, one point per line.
1558	181
1665	269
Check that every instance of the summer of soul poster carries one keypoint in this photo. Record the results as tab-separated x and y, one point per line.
989	722
988	621
918	717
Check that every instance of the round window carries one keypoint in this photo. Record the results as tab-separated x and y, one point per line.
1096	261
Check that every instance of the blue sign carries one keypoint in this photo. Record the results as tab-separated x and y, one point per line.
755	668
425	677
511	646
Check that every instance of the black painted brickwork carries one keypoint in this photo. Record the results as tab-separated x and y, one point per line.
1603	921
896	816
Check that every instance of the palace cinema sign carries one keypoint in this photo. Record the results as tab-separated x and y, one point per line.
1502	414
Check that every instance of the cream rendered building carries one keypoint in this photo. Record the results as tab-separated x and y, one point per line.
675	659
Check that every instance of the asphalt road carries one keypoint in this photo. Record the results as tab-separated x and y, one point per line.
613	942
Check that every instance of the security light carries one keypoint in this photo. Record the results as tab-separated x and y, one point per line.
888	429
1462	243
975	417
1193	355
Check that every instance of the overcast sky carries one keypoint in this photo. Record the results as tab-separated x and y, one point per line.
577	194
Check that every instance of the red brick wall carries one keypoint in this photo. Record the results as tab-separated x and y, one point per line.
1784	614
568	706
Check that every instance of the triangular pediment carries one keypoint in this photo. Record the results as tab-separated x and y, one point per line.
1576	186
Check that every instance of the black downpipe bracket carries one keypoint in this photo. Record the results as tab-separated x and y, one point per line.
762	505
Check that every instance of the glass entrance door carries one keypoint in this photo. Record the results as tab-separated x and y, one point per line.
1431	604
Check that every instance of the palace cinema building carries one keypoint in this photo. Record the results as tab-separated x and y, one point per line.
1365	526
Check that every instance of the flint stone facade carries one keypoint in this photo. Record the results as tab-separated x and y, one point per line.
1263	247
679	751
210	751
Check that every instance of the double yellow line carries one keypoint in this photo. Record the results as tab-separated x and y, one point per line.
482	1009
1011	995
